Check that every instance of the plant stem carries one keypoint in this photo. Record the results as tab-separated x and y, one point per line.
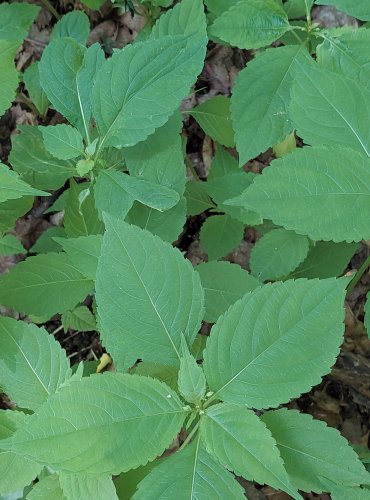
50	8
358	275
191	435
59	329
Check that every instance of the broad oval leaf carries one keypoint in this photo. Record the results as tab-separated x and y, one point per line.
157	296
32	364
10	245
277	254
251	24
315	191
154	76
241	441
341	113
16	20
356	8
82	486
261	119
44	285
220	234
224	283
102	424
16	472
276	342
313	452
75	25
185	18
189	474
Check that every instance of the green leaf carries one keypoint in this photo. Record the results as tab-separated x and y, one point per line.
224	283
34	163
31	79
75	25
164	373
11	210
219	235
62	141
16	20
84	166
160	158
189	474
223	164
341	113
239	439
83	252
44	285
80	319
127	482
67	73
251	24
197	199
12	186
315	191
9	75
345	54
261	119
33	365
186	18
326	259
343	493
297	8
312	451
276	342
355	8
143	419
16	471
128	113
214	118
87	486
192	382
277	254
10	245
81	218
158	296
217	7
48	487
93	4
45	243
110	195
167	225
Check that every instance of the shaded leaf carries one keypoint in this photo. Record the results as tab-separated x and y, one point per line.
12	186
31	78
10	245
214	118
219	235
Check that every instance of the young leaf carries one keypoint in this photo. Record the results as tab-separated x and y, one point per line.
10	245
12	186
62	141
278	253
345	55
47	487
223	164
83	252
214	118
44	285
16	471
16	20
87	486
224	283
75	25
197	199
80	319
219	235
34	163
189	474
186	18
246	360
355	8
312	451
338	100
81	218
251	24
326	259
131	111
33	365
158	296
192	382
261	119
315	191
31	79
239	439
143	419
167	225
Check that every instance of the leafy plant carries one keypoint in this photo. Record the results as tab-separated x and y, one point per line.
211	407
